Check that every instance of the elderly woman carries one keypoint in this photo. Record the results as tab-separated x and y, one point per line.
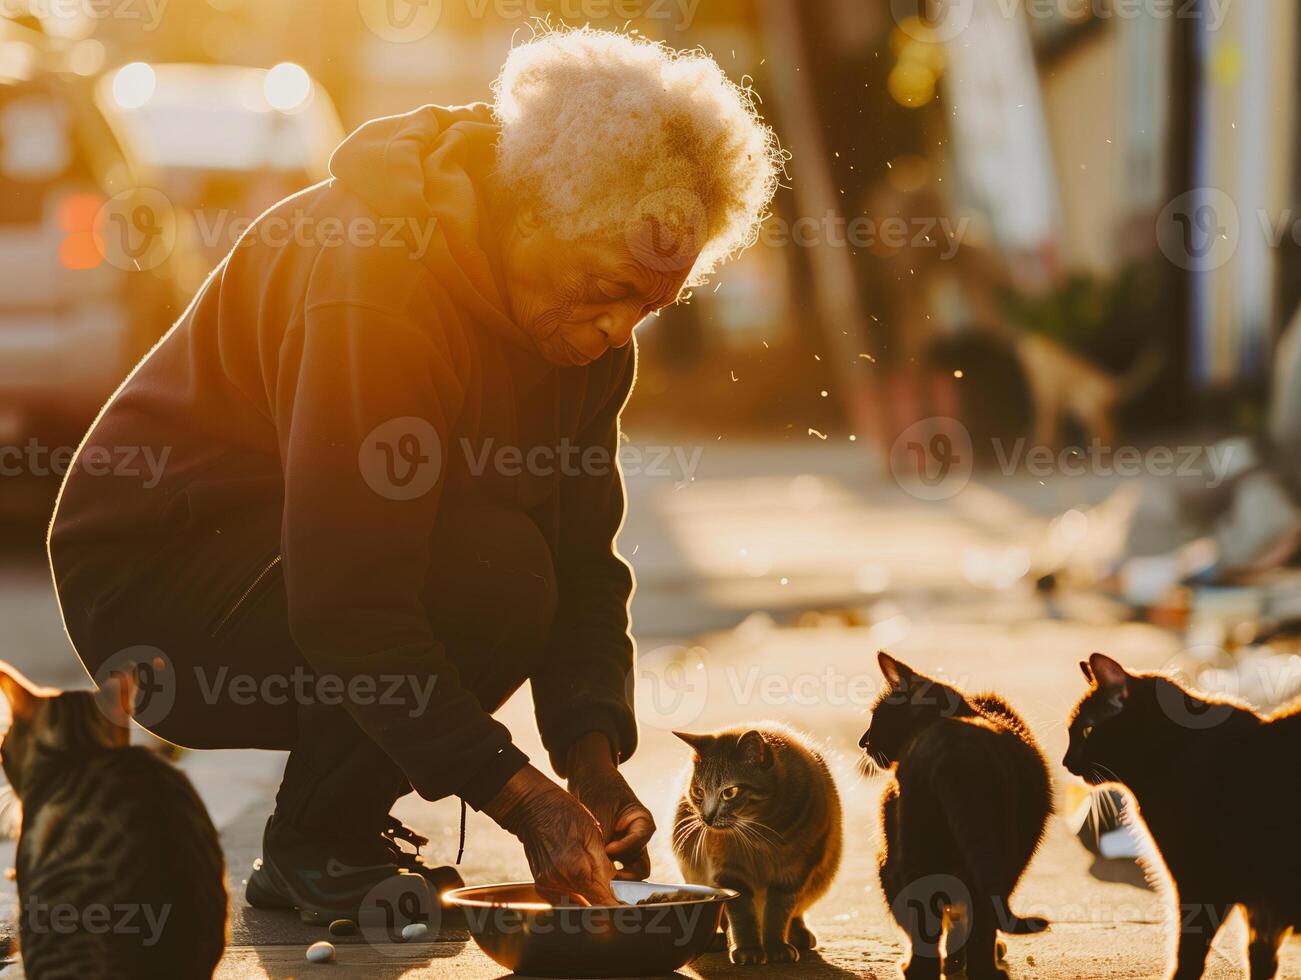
390	421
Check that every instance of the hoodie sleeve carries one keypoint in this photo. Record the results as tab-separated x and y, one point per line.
363	406
585	682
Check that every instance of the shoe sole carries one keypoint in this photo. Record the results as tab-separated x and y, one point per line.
268	890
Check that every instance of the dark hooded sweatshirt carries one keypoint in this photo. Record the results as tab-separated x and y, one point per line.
374	296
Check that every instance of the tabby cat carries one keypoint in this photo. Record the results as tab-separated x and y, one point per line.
965	812
760	815
1217	786
119	871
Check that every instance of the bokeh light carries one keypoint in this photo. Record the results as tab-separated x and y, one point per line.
134	85
287	87
86	57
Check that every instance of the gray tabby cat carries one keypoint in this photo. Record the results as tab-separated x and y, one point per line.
120	874
761	815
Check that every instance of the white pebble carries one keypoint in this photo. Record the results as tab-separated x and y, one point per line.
414	930
321	952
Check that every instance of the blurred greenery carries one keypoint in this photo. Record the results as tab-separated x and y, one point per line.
1109	320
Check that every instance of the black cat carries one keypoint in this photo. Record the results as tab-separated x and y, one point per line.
965	813
1218	786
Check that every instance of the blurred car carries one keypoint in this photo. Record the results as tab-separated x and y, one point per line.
72	321
225	142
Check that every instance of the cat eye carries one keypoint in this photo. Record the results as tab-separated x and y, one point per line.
731	792
1086	731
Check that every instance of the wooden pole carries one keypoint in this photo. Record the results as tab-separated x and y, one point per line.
841	318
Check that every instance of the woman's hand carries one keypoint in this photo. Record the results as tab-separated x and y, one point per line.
561	839
626	824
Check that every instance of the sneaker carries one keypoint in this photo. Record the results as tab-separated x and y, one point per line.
440	879
317	878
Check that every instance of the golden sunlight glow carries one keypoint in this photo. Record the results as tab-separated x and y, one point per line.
134	85
287	87
920	63
911	84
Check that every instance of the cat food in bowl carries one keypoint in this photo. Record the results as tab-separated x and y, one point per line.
660	928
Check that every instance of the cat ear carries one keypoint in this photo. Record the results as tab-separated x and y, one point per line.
1086	670
22	695
1110	676
697	742
755	749
116	697
897	674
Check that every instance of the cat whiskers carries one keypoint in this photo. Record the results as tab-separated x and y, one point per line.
11	813
689	835
757	842
764	831
872	764
1102	806
1107	775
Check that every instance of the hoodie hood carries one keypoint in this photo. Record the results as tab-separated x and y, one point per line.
432	164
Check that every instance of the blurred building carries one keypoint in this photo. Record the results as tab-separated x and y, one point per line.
1182	118
1110	142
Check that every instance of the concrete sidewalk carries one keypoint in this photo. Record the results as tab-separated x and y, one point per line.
764	597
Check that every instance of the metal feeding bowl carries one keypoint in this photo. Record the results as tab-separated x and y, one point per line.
526	934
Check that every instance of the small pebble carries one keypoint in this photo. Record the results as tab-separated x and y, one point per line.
413	931
342	927
321	952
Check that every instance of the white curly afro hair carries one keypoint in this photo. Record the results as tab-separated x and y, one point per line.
602	129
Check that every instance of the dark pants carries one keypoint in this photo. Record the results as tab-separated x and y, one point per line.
236	679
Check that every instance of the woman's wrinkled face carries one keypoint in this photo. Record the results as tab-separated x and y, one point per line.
577	299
